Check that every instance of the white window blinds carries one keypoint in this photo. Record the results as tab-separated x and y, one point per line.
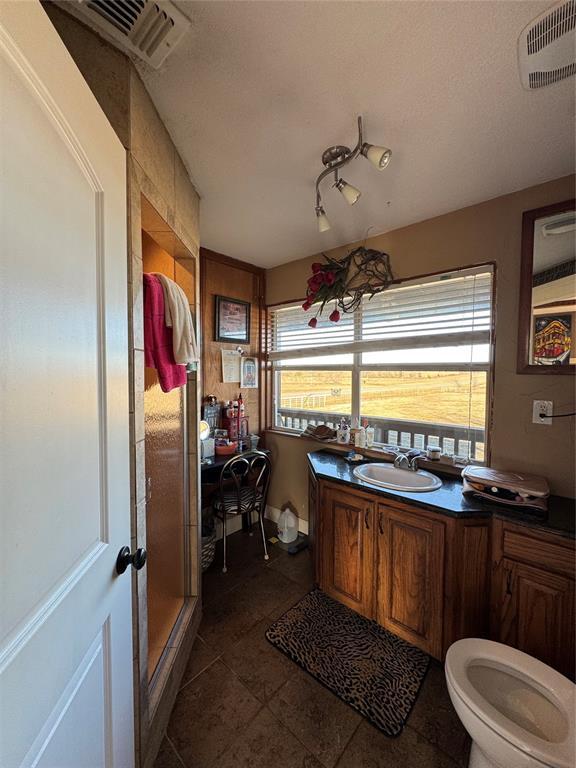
443	311
291	333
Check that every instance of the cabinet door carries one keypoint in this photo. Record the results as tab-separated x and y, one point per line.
347	567
535	613
410	575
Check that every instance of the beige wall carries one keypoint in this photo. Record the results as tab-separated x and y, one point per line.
490	231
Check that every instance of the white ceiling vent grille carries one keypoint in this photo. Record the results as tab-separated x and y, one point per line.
150	29
547	46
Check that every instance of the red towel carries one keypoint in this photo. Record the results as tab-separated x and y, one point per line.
158	337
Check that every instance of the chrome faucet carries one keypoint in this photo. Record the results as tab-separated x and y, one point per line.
408	461
402	461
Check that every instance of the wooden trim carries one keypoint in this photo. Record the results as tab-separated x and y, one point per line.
258	311
398	280
262	347
525	298
220	258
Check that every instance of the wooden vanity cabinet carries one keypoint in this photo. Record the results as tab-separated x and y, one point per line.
426	576
347	547
410	576
532	602
420	574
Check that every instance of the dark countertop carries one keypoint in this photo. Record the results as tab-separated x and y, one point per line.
448	500
212	467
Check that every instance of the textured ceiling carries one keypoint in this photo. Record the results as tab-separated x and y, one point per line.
257	90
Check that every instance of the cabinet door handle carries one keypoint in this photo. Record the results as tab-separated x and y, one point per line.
380	528
366	517
509	583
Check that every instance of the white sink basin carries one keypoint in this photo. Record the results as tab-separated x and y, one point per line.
389	476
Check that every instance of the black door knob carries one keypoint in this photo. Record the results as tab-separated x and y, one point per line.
126	558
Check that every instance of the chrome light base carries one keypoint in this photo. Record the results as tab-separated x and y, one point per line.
334	155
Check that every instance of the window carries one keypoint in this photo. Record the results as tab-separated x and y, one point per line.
413	360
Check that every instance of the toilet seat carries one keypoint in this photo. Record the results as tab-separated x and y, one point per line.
552	685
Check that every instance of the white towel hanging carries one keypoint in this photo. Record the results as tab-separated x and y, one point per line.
179	318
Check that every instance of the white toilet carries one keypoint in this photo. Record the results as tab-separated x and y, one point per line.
519	712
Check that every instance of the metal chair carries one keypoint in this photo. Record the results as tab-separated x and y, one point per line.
242	490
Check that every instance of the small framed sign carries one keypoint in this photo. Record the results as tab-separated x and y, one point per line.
232	320
248	373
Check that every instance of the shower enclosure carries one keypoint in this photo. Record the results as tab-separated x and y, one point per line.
170	473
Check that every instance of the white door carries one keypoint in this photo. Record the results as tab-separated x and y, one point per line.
65	617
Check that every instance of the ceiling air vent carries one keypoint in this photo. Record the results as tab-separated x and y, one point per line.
547	46
150	29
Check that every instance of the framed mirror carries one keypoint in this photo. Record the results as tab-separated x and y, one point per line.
547	313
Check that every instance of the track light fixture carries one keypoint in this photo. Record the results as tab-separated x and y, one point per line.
349	193
378	156
337	157
323	223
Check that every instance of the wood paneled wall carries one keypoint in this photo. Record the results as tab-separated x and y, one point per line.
224	276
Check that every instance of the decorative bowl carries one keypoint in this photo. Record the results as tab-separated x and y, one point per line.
226	450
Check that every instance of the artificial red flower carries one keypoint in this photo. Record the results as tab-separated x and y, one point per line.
315	282
329	278
335	316
307	304
316	267
313	322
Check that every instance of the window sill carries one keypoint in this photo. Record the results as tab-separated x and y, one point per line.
372	453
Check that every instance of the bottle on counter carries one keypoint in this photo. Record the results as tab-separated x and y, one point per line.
369	437
343	432
360	437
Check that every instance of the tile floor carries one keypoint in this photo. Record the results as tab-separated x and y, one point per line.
243	704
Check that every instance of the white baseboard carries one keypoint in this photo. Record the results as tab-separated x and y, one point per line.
273	513
234	523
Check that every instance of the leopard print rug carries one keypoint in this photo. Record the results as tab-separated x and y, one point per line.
369	668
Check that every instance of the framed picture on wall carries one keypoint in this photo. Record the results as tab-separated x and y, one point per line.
552	339
232	320
248	373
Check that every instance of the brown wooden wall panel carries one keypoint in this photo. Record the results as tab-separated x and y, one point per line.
222	276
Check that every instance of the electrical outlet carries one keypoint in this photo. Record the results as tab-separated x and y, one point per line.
541	407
